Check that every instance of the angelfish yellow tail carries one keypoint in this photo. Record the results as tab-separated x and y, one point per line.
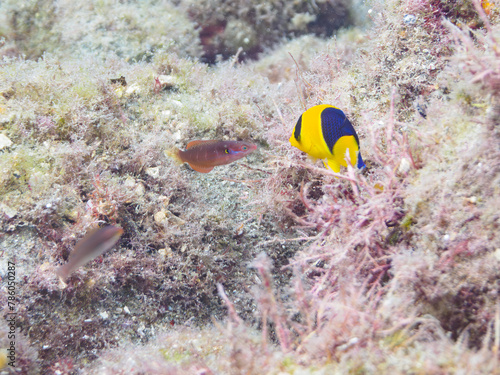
332	164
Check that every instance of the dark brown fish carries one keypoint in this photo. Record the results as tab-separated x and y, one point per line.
203	156
95	243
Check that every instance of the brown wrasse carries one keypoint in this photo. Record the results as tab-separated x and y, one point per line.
203	156
95	243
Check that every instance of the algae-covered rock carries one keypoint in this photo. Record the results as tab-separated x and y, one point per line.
130	30
256	25
5	142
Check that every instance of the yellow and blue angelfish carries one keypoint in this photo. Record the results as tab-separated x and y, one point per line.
324	132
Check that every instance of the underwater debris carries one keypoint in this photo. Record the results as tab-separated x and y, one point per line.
203	156
95	243
324	132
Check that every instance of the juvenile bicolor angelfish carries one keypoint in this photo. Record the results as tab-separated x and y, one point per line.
324	132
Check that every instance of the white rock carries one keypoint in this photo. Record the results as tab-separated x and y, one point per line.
167	81
4	141
129	182
153	172
177	103
133	89
139	190
160	216
404	166
8	211
496	254
472	199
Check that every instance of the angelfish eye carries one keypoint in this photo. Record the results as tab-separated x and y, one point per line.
226	151
244	148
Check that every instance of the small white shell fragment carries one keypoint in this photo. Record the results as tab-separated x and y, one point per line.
139	190
352	341
133	89
177	103
409	19
160	216
404	166
4	141
9	212
177	136
472	199
496	254
165	253
129	182
162	253
167	80
153	172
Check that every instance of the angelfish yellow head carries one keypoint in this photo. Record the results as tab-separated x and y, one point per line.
307	135
296	140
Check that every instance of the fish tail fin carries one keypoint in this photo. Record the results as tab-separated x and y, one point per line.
174	153
63	273
361	164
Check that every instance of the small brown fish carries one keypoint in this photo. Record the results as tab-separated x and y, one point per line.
95	243
203	156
